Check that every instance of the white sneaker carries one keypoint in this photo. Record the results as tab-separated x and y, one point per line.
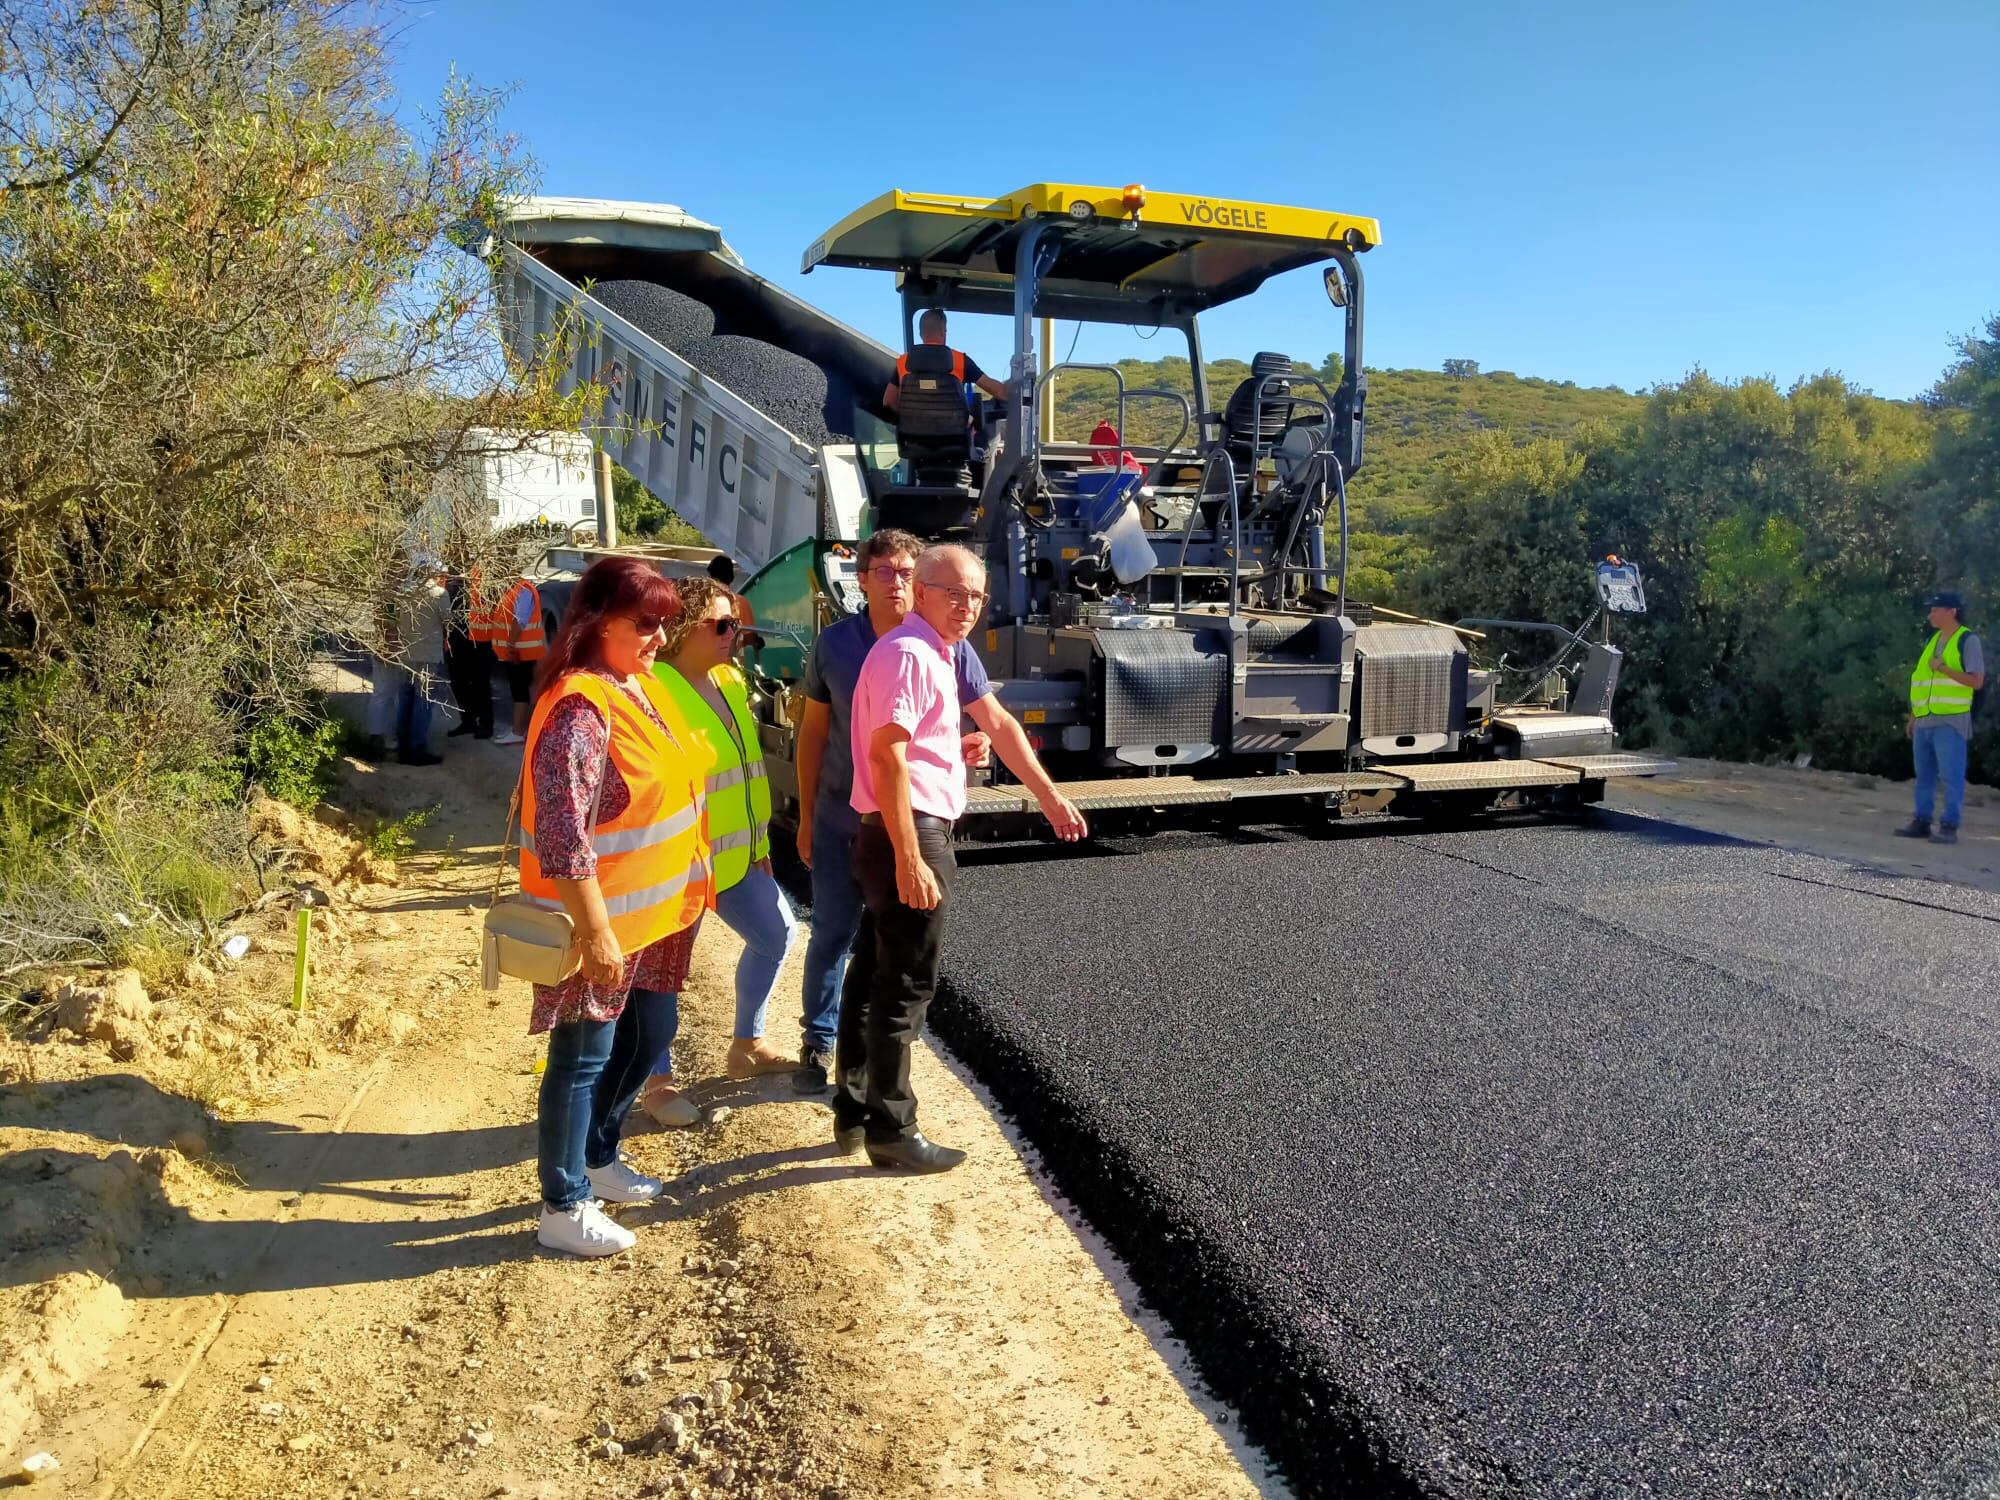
583	1229
620	1183
507	737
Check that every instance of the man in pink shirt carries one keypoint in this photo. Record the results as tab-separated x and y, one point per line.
909	787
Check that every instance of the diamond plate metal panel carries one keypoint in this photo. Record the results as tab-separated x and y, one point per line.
1142	791
995	799
1406	675
1597	767
1160	689
1482	775
1312	783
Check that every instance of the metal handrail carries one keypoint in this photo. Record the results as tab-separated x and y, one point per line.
1572	639
1235	531
1125	396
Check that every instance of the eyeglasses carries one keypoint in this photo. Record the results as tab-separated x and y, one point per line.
960	598
727	625
890	573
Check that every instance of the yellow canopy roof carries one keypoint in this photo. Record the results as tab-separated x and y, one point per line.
1146	246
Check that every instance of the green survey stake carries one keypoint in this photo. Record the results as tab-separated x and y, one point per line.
299	963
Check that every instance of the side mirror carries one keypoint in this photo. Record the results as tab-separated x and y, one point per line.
1336	287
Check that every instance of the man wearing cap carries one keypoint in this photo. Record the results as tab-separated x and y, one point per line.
1951	669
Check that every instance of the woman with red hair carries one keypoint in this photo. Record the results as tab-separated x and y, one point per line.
612	832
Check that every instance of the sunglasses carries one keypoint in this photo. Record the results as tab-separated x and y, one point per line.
648	624
728	625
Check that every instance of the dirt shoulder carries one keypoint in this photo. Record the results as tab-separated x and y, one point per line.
246	1250
337	1292
1832	813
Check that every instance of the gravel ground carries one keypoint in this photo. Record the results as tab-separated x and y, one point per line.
1529	1160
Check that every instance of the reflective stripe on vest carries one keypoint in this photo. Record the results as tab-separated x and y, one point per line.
629	839
530	644
653	863
1931	692
739	791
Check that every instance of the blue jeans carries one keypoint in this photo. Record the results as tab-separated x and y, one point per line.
413	709
594	1072
1940	756
756	910
836	919
385	684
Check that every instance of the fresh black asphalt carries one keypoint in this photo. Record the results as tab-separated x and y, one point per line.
1536	1159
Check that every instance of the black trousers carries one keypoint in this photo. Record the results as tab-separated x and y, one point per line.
890	981
469	664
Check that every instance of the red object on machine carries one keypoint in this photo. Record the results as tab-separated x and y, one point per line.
1106	451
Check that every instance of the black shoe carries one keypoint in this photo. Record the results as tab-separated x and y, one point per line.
815	1071
914	1154
849	1141
1916	828
1947	834
420	758
461	727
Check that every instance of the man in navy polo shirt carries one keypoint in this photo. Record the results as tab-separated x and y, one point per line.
827	822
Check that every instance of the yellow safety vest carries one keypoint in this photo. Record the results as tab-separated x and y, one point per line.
739	792
653	862
1931	692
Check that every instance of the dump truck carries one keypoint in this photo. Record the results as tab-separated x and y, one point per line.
1171	621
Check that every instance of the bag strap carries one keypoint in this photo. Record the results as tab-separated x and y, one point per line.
507	840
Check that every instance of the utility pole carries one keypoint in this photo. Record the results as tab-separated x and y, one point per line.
607	514
1046	415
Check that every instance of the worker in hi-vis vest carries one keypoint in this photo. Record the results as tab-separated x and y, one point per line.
934	430
710	690
1947	678
520	644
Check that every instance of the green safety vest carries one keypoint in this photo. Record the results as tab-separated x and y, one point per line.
739	793
1931	692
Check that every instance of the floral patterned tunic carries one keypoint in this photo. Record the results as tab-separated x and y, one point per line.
568	759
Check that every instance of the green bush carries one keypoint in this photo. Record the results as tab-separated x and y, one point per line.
397	837
294	761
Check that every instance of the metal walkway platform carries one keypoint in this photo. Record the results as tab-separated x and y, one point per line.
1123	792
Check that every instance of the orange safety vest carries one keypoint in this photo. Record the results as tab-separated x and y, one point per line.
957	367
482	618
653	862
531	643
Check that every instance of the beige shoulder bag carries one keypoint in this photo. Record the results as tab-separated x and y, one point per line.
522	938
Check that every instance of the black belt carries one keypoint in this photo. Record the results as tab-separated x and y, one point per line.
922	820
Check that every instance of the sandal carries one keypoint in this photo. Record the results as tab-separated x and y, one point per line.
666	1106
751	1057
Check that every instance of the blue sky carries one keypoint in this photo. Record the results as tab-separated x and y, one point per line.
1608	192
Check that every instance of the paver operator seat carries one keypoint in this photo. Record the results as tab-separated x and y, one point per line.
934	436
1244	428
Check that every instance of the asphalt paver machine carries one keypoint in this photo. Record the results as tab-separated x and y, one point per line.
1171	620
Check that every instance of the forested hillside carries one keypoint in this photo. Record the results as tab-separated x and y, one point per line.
1788	535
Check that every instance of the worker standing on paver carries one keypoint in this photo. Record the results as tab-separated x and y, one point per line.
909	788
1951	670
